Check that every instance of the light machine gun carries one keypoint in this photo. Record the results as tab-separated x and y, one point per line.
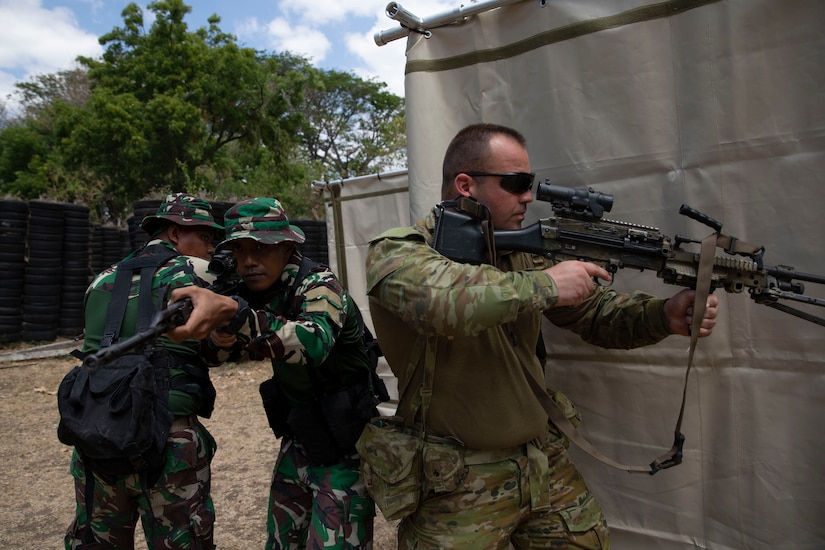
577	231
222	265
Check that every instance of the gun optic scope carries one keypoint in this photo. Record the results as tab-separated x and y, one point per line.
222	263
577	201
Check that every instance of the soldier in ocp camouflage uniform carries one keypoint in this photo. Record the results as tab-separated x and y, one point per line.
311	331
177	511
495	471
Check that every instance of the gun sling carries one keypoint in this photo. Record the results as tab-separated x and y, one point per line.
674	455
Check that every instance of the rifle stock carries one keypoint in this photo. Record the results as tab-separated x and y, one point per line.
577	231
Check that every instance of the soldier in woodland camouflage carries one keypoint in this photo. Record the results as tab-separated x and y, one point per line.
495	471
177	511
308	326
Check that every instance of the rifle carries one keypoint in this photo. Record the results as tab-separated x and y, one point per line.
168	317
577	231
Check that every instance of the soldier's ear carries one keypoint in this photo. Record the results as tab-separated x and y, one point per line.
464	185
173	233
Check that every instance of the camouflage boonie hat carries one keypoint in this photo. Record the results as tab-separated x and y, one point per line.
261	219
182	209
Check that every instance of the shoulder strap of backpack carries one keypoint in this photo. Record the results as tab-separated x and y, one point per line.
147	265
306	267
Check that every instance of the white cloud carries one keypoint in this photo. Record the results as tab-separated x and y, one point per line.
384	64
322	13
35	40
300	39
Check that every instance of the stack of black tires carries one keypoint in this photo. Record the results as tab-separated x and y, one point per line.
14	221
75	272
49	253
42	279
315	248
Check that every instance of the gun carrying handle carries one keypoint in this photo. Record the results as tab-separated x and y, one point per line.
694	214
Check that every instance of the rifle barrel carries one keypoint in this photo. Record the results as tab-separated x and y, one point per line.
788	273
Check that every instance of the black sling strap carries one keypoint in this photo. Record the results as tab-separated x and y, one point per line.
147	265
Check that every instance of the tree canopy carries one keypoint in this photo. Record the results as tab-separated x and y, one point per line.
166	109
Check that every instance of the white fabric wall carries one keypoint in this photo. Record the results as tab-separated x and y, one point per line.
721	107
359	209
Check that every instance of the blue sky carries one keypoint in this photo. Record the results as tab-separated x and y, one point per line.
45	36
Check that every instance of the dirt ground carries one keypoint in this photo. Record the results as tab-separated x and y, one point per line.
37	487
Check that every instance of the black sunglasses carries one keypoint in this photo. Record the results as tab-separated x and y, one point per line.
514	182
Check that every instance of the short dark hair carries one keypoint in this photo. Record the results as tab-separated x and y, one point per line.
469	149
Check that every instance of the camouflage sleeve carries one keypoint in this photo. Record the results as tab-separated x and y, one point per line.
308	339
214	355
434	294
184	271
611	319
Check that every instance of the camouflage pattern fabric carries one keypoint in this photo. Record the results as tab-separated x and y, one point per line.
317	507
262	220
492	505
177	272
487	320
182	209
320	315
311	340
182	494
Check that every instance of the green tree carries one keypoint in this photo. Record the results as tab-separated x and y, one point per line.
22	152
38	95
167	102
352	126
166	109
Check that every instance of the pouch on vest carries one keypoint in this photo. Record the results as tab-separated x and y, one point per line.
310	428
117	417
275	407
391	465
347	411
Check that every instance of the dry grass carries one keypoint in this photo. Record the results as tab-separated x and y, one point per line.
38	490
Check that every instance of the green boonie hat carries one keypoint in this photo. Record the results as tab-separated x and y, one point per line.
261	219
182	209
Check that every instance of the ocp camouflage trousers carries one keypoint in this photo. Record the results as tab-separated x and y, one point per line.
317	507
176	513
531	496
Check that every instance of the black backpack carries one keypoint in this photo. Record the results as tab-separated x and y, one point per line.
117	416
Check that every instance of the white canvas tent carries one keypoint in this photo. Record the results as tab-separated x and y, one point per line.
719	104
357	210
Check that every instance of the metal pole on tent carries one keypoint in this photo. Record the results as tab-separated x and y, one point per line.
412	23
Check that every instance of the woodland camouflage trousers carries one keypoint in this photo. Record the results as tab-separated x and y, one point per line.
317	507
176	513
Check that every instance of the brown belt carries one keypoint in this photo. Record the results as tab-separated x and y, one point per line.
182	422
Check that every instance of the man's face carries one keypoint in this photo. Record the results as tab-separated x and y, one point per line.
195	241
260	265
507	208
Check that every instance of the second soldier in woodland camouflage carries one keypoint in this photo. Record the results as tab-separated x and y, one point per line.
495	472
177	511
303	320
